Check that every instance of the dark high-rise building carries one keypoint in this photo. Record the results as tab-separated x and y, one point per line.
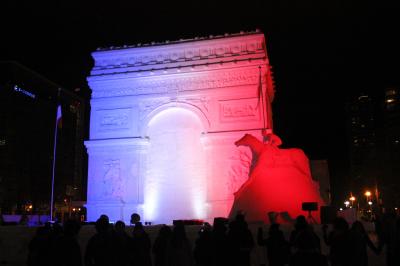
374	145
390	184
362	140
28	105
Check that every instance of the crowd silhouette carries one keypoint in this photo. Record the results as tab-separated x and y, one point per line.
225	243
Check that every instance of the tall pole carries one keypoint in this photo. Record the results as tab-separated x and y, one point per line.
54	159
54	167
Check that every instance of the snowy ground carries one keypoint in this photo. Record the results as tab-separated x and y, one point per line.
14	241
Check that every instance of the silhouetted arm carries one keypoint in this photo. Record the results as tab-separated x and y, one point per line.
325	235
371	245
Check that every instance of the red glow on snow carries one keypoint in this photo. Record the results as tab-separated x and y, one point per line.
280	182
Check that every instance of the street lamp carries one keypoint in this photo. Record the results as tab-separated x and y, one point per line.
347	203
368	195
352	199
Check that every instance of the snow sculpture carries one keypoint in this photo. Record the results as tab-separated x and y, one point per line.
279	182
163	121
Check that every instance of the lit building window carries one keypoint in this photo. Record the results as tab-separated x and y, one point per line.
390	100
363	97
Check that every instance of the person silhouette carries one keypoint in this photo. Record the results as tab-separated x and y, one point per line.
203	251
98	250
161	245
359	241
277	248
140	246
221	245
389	237
67	251
120	241
39	247
180	250
241	241
339	242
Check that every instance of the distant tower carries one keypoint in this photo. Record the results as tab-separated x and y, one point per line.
390	186
362	139
374	145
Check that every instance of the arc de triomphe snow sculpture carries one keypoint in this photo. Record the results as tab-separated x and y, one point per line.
164	119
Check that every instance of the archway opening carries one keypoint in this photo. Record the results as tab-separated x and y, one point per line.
175	183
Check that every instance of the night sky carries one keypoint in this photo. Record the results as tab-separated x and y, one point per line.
321	53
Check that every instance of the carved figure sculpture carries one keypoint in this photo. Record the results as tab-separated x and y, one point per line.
112	187
280	181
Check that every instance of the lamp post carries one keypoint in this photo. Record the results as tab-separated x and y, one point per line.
369	202
368	195
352	199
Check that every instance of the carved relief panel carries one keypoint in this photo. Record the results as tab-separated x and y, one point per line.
114	122
244	110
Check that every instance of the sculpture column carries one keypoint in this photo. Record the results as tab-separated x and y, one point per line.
115	178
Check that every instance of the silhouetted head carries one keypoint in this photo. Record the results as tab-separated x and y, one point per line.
105	218
135	218
179	230
102	226
119	226
178	234
71	228
165	232
358	227
48	225
274	228
220	224
57	229
301	222
205	229
138	230
240	220
340	224
240	217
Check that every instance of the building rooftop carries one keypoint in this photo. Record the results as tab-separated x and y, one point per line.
167	42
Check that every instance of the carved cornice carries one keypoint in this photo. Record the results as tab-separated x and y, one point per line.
121	145
177	83
167	56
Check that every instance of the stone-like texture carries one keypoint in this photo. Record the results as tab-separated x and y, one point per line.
163	122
